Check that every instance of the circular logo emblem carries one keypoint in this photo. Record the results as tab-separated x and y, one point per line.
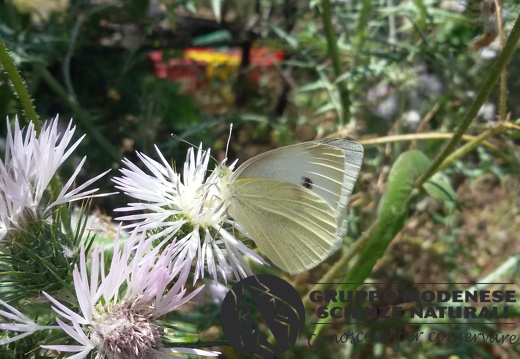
258	307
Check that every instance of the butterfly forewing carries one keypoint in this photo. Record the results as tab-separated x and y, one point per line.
329	168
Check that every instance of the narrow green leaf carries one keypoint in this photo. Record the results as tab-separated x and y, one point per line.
284	35
439	187
325	108
312	86
215	37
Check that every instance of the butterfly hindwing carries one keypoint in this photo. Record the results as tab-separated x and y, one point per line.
294	227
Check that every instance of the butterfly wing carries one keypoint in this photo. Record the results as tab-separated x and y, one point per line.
328	168
294	227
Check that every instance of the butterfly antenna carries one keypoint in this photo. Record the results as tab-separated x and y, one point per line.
229	139
178	138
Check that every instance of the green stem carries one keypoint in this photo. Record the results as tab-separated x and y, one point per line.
423	14
361	32
29	110
80	19
502	107
10	69
487	86
391	24
332	46
468	147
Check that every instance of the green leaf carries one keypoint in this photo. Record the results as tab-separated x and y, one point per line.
284	35
312	86
439	187
325	108
215	37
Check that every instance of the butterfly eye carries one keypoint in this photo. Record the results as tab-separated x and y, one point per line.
221	171
307	182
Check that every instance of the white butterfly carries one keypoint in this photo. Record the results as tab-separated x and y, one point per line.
292	201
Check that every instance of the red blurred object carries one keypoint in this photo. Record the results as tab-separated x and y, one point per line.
192	74
263	61
188	73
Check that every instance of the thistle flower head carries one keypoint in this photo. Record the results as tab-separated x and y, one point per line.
127	331
119	310
31	233
190	207
31	161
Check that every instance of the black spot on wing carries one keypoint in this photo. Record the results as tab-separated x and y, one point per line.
307	182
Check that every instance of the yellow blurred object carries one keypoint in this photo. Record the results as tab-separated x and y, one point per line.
221	71
41	8
220	65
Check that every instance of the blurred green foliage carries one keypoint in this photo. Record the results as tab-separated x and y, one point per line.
399	59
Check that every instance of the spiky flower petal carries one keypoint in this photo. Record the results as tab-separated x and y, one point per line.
189	207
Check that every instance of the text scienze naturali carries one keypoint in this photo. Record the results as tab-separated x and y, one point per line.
457	304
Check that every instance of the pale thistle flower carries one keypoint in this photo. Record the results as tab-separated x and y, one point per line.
119	310
30	163
189	207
